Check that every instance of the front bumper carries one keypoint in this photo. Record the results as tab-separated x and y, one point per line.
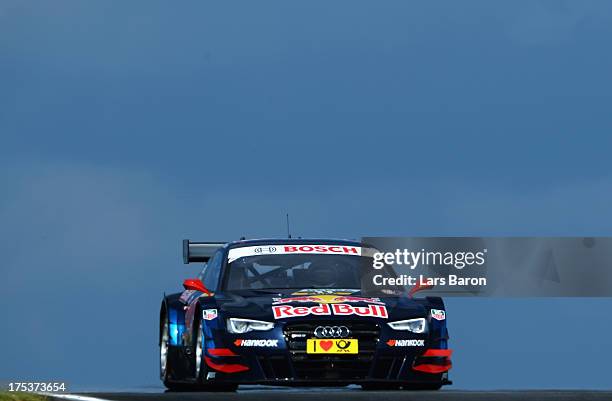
289	364
279	370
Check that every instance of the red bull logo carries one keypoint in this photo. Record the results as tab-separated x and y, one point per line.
352	298
327	299
288	311
303	299
325	291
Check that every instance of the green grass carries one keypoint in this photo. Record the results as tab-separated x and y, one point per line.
18	396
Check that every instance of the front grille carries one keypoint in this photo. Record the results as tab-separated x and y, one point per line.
329	367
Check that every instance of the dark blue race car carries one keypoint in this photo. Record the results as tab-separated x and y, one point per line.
298	312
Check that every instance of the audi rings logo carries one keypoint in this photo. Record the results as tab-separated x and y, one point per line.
331	332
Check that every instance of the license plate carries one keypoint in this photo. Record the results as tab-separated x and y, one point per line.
332	346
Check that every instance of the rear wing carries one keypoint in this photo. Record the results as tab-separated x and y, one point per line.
199	252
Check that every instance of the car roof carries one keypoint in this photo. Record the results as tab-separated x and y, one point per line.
297	241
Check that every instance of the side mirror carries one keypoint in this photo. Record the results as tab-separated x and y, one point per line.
419	287
195	284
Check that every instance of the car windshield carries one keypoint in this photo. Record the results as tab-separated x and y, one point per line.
301	271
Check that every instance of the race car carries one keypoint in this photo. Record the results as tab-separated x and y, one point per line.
298	312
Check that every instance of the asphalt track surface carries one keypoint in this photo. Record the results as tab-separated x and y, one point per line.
357	394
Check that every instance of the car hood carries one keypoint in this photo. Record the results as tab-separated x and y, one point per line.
280	305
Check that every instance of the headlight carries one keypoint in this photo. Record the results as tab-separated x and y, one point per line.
239	326
414	325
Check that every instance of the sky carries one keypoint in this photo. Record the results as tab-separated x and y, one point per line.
126	127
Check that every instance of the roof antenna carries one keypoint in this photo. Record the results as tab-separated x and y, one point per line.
288	232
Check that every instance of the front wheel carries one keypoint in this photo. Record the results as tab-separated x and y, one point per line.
201	369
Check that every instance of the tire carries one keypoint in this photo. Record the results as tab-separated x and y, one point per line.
164	360
201	369
163	349
200	366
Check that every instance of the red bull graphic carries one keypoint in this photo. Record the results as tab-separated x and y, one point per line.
326	291
288	311
327	299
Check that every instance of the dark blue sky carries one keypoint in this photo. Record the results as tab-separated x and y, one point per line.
125	127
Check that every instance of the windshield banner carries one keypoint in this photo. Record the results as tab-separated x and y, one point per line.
236	253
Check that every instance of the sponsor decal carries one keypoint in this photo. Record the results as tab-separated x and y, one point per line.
236	253
340	346
209	314
264	249
256	343
287	311
406	343
438	314
352	250
325	291
327	299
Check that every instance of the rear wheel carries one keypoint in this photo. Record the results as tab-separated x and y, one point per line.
164	360
163	351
